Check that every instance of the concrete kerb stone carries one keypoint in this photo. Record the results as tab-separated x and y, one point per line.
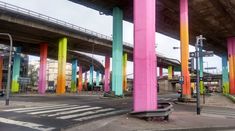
231	97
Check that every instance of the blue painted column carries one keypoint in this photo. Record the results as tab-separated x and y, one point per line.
202	90
91	75
117	51
97	78
74	75
225	79
16	71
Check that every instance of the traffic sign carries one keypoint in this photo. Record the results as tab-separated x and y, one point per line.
24	80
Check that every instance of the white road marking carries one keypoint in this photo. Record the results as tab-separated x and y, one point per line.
99	115
26	124
75	111
48	108
29	108
85	113
56	110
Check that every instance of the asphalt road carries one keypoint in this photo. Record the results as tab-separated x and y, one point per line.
66	111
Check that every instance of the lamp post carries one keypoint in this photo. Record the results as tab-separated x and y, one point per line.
9	68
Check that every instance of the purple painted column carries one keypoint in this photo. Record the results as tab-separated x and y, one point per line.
145	75
42	69
107	74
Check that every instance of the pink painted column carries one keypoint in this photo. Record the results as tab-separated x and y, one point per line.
160	71
107	74
145	76
42	69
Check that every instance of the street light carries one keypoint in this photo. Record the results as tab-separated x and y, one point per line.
9	68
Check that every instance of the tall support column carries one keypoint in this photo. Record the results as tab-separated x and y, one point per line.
170	72
74	75
62	55
97	78
1	68
80	79
145	76
202	90
225	79
107	74
16	71
160	71
43	68
231	55
124	72
91	75
117	51
184	38
85	82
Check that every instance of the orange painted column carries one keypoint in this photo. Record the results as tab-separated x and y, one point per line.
62	55
80	79
184	41
231	57
1	67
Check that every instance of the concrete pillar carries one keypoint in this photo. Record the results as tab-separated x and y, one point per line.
231	56
80	79
170	72
124	72
43	68
184	38
97	78
225	80
16	71
62	55
74	75
91	75
107	74
145	76
117	50
85	82
1	68
160	71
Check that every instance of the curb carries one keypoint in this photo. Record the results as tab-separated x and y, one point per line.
232	98
199	129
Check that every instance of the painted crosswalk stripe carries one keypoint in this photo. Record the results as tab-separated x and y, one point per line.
56	110
100	115
29	108
47	108
85	113
75	111
26	124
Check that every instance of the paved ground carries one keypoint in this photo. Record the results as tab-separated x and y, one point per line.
90	111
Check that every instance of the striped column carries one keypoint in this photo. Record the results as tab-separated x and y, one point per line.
97	78
145	76
231	56
62	55
184	40
170	72
117	50
225	79
107	74
74	75
91	75
43	68
124	72
80	79
1	68
16	71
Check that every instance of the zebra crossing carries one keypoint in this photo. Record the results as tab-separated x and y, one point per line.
69	112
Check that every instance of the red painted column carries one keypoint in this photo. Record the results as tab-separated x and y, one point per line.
160	71
107	74
184	41
85	83
1	67
231	57
145	76
42	69
80	79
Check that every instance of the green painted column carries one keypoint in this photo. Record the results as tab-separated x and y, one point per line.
202	90
170	72
91	75
117	51
225	79
74	75
16	71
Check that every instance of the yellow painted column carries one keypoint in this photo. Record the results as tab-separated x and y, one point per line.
62	55
124	64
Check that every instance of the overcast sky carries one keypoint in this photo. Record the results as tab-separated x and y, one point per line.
90	19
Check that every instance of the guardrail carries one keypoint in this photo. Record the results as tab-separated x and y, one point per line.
37	15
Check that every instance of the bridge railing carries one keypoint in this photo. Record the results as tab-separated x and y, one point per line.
7	6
